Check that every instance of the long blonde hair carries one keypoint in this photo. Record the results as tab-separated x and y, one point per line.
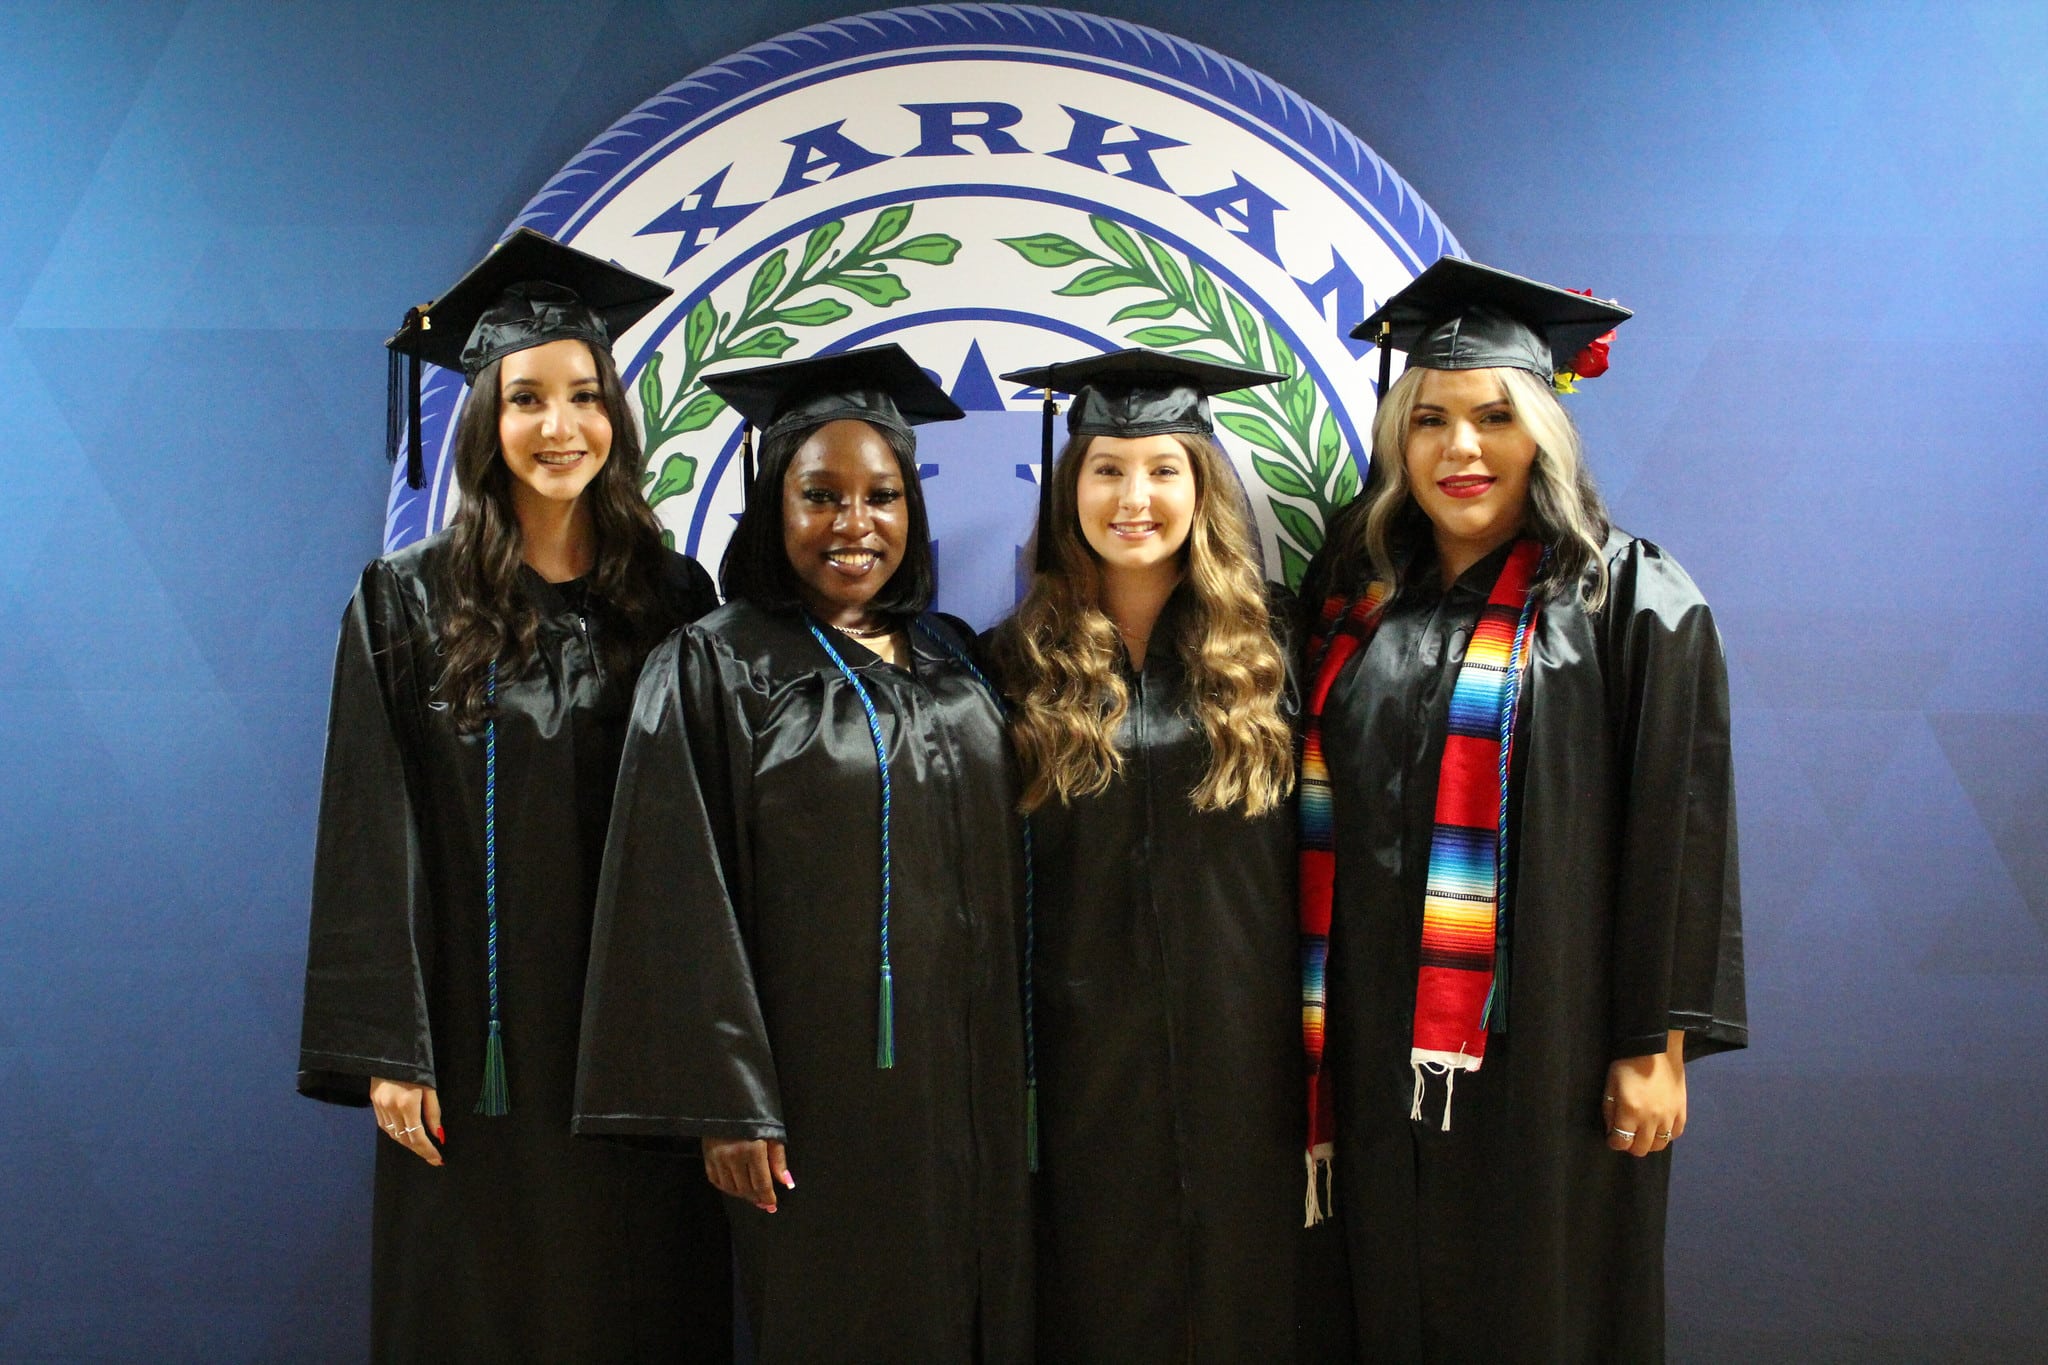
1059	654
1565	511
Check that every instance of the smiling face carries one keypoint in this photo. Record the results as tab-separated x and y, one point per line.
1468	458
1135	499
845	520
552	427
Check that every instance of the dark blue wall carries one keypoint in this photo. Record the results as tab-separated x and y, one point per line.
1828	217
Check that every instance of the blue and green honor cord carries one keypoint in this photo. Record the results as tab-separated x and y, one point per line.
494	1102
885	1007
885	1028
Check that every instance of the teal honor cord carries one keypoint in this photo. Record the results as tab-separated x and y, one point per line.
495	1102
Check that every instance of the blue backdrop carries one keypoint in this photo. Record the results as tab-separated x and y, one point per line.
1826	216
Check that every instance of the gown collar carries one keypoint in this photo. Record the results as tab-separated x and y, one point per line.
1166	631
1421	578
571	595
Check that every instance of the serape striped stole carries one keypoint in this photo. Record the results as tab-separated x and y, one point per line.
1462	900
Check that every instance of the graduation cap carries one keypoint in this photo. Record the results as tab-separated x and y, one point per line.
530	290
1128	393
1461	315
880	385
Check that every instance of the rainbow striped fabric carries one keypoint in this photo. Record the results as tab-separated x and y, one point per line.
1462	901
1342	630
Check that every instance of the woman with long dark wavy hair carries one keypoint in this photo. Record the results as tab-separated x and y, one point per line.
1519	902
1149	707
480	700
806	956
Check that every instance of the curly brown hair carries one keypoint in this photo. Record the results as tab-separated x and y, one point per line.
1059	654
485	618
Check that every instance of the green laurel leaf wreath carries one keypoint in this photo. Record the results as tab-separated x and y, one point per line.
1298	447
758	329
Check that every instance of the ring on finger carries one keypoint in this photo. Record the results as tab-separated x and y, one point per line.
1664	1136
1625	1134
408	1132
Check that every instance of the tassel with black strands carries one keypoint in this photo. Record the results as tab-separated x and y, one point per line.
1385	343
402	402
394	416
1051	411
747	470
415	465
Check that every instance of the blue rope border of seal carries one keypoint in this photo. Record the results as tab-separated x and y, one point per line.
881	31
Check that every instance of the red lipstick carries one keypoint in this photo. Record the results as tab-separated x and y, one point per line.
1465	485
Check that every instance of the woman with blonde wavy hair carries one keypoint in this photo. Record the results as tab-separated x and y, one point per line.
1519	907
1150	715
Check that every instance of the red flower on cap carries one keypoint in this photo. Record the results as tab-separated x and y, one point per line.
1591	361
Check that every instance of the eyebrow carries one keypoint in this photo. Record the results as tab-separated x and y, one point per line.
1476	407
529	381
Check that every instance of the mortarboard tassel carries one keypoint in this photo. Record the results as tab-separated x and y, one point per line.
1386	361
402	402
1045	482
747	470
394	419
415	467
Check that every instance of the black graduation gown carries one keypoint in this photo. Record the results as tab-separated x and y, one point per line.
528	1244
1169	1056
1518	1235
733	977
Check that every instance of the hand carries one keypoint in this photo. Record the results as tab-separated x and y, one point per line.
748	1170
1643	1106
406	1113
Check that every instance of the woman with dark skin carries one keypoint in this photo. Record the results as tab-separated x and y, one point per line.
1150	712
807	953
479	707
1530	914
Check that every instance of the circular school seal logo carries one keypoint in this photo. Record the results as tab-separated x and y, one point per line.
992	186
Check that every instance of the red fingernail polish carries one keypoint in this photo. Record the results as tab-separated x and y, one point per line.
440	1136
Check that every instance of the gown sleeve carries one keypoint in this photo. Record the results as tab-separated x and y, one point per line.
673	1044
1678	918
366	1001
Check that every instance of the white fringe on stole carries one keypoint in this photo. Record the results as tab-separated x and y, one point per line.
1322	1184
1445	1064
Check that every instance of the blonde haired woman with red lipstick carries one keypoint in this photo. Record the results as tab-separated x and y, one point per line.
1520	915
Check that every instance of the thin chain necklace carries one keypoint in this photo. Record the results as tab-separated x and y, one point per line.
877	633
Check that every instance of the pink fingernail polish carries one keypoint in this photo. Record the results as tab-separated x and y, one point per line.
788	1180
